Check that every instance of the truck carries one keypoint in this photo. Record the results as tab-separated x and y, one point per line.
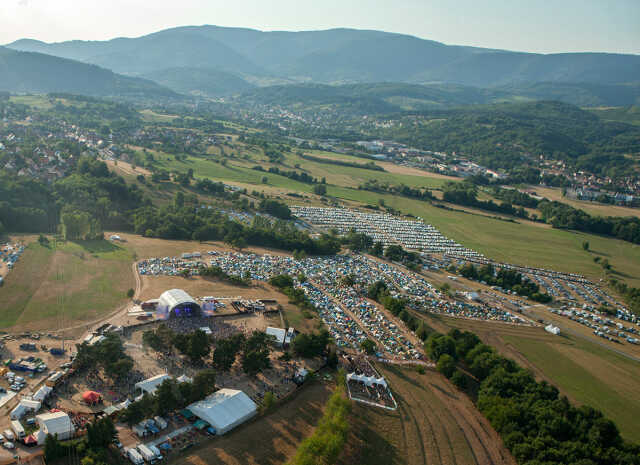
135	456
156	451
160	422
18	430
147	453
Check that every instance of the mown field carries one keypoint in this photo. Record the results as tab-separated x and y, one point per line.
78	281
584	371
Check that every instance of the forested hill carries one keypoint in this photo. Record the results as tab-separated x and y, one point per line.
338	56
383	97
500	136
26	72
386	97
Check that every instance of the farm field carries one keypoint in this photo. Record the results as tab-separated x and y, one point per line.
521	242
583	371
434	423
80	281
273	438
592	208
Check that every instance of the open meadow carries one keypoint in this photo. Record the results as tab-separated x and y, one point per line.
65	283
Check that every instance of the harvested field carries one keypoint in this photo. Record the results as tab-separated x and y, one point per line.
268	440
589	375
434	424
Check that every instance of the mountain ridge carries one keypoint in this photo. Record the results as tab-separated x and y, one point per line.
31	72
339	55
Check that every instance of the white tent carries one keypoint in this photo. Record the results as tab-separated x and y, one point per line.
151	384
56	424
225	409
41	437
278	333
552	329
368	380
23	407
42	393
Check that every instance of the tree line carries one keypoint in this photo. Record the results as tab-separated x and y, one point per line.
506	279
536	424
189	223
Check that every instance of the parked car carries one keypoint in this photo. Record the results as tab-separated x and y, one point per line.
8	445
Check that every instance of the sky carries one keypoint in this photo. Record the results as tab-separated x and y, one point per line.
543	26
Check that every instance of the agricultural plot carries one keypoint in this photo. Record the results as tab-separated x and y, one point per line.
73	282
583	371
593	208
434	423
589	375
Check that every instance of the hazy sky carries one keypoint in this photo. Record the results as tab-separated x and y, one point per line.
528	25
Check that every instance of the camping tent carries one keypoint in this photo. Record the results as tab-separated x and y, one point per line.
224	409
91	397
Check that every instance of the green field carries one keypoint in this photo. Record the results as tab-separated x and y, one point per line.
79	281
591	375
520	242
39	102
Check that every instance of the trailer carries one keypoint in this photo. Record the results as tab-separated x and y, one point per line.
135	456
18	429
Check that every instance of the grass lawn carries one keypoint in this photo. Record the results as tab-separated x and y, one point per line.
82	280
39	102
590	375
